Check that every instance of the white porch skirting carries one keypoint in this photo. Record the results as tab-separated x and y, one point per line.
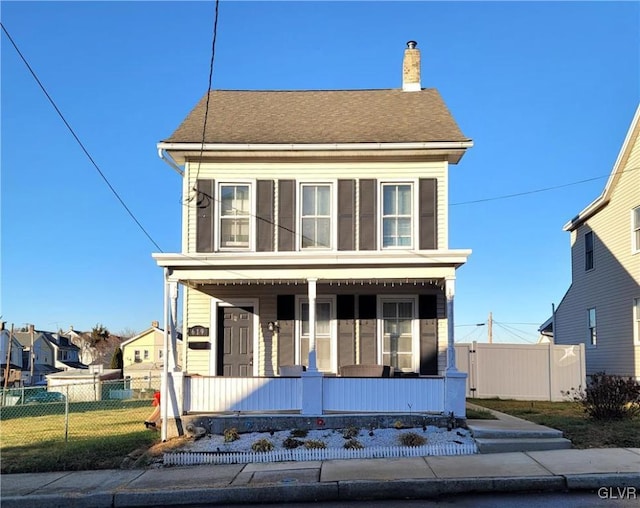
204	394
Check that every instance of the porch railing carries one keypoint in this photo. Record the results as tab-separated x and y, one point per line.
204	394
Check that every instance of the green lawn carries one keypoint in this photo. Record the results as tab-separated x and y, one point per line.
571	420
33	437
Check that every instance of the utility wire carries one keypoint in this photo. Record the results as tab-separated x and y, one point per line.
206	108
95	165
535	191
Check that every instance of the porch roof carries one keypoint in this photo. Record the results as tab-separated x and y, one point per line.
352	267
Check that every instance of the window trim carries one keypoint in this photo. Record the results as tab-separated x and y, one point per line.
635	230
592	335
333	329
588	266
333	214
415	213
218	215
415	327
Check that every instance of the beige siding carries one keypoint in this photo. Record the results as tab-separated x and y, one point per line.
198	312
198	304
612	284
308	170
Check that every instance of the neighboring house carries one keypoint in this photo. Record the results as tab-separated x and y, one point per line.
52	350
90	352
142	355
319	204
67	354
40	353
602	306
11	352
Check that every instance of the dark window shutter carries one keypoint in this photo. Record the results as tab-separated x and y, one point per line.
428	213
427	313
367	314
286	215
346	206
205	206
285	314
367	215
264	218
346	329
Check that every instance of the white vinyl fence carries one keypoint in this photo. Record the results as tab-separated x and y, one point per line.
521	371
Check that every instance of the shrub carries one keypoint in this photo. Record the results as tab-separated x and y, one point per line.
290	443
609	397
398	424
231	435
353	444
313	444
350	432
262	445
411	439
299	433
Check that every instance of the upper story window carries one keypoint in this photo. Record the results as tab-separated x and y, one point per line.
235	216
397	221
635	231
588	251
592	326
315	216
136	356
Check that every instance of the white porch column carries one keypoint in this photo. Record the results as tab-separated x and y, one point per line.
455	381
312	378
171	388
313	366
451	350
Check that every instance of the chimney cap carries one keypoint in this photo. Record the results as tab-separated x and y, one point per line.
412	44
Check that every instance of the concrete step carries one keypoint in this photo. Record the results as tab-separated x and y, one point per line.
487	445
535	432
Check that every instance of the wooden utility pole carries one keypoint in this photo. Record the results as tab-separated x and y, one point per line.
32	353
7	367
490	328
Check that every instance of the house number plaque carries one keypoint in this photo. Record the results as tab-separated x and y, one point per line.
198	331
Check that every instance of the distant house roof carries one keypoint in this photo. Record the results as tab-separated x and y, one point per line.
320	117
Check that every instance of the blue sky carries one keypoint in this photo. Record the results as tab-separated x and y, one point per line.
545	90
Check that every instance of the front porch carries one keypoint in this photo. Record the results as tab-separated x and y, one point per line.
325	319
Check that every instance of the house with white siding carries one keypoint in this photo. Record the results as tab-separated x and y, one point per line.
602	306
315	243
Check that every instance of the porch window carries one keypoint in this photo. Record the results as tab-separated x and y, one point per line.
397	224
323	334
636	321
316	216
592	326
588	251
235	214
397	334
635	240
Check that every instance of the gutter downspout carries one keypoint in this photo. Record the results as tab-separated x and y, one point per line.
164	155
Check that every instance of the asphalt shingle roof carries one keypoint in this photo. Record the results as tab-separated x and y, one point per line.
320	116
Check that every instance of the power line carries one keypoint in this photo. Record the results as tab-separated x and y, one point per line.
206	108
95	165
535	191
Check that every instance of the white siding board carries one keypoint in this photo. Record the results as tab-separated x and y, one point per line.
611	286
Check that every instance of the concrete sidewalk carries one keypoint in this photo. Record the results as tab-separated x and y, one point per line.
356	479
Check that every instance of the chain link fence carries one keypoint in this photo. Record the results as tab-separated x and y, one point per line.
67	412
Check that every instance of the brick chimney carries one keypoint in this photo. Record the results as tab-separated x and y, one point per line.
411	68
